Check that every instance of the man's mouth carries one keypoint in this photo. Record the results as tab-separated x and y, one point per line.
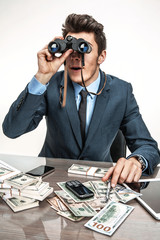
76	68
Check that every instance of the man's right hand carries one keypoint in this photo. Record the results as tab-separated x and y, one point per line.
49	64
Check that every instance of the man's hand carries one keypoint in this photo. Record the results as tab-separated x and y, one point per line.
49	64
125	170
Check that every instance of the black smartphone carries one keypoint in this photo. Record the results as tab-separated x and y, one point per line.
79	189
42	171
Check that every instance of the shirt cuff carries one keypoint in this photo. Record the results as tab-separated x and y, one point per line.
36	88
145	161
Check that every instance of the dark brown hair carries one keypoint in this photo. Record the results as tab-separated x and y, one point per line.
76	23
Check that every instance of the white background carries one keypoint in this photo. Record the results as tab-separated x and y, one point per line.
132	29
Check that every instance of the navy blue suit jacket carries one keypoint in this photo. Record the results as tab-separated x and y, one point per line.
115	109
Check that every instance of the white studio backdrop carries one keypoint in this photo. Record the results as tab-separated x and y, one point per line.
133	53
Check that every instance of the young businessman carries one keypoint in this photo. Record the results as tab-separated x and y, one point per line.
113	108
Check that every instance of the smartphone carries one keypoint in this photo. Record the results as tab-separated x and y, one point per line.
79	189
42	171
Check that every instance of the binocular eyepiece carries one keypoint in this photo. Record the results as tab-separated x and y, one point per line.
61	46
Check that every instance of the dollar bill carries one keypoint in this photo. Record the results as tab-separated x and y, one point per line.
7	171
57	204
109	218
78	209
62	210
99	188
21	180
38	196
125	194
18	203
87	170
72	195
69	215
35	186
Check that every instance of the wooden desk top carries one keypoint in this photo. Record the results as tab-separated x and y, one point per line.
43	223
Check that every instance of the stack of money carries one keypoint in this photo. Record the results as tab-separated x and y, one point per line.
110	214
21	191
87	170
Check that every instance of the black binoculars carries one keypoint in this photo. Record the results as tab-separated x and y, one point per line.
61	46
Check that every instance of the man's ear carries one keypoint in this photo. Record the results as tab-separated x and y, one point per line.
102	57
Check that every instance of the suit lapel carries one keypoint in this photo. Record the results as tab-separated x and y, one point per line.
72	111
100	106
99	109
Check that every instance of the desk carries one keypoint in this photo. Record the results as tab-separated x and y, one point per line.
42	223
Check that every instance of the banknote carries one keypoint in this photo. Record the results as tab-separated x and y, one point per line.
38	196
7	171
72	195
18	203
69	215
57	204
35	186
62	210
109	218
37	191
87	170
4	171
99	188
120	193
125	194
82	209
21	180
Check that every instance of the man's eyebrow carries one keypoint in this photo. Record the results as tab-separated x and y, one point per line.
90	43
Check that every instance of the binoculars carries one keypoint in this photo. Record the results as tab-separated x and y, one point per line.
61	46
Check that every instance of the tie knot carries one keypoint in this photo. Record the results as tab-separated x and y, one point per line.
83	94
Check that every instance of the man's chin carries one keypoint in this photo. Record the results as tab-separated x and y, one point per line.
77	80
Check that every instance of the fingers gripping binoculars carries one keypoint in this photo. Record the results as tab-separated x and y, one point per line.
61	46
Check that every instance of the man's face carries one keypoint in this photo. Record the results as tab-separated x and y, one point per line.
91	60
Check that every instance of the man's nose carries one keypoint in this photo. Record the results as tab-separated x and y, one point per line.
75	55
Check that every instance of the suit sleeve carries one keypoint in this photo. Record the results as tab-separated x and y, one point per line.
138	138
24	114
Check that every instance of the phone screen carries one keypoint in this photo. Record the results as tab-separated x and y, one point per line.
42	170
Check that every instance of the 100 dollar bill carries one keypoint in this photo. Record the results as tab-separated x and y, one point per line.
109	218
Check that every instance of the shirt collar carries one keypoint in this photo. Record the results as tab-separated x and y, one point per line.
93	87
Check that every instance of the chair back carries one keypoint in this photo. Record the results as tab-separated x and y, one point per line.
118	148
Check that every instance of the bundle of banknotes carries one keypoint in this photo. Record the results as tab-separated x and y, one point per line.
87	170
21	191
105	216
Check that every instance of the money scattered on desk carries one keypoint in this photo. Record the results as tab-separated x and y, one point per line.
70	216
21	191
125	194
110	215
87	170
72	195
62	210
109	218
82	209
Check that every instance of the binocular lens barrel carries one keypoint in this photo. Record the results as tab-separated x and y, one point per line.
83	48
60	46
54	47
